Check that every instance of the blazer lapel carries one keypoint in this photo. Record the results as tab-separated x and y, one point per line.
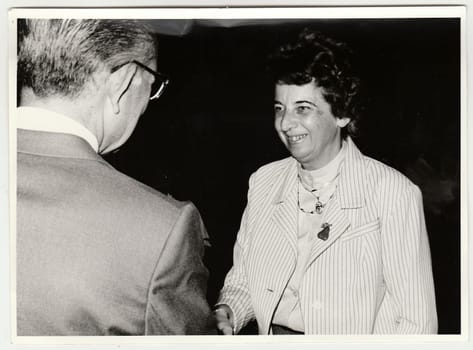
285	206
349	195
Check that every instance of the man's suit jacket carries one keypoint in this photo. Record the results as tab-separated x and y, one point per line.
99	253
372	275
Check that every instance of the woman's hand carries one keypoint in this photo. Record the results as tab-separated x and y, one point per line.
224	319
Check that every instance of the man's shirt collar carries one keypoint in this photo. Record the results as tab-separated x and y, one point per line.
38	119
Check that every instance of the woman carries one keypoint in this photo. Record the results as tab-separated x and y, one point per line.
331	241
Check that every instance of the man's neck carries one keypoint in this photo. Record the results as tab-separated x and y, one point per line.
80	110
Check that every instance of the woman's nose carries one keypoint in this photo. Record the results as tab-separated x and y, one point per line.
287	121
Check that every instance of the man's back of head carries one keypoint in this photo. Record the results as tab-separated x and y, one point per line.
59	57
70	67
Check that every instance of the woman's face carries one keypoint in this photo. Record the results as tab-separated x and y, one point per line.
306	125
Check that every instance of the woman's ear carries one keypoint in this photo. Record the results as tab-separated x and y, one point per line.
118	84
342	122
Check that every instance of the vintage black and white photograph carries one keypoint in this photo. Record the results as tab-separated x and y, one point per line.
287	172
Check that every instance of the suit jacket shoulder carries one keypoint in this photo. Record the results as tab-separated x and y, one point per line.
89	239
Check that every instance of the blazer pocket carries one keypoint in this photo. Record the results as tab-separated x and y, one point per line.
360	230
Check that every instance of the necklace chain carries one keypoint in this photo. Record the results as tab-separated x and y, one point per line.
319	206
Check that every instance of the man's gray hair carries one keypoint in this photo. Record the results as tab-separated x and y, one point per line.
58	56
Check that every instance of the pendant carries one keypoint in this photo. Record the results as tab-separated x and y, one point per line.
323	235
318	207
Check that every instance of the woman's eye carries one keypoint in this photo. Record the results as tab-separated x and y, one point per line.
302	109
277	110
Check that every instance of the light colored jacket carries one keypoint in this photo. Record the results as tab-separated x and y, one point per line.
372	275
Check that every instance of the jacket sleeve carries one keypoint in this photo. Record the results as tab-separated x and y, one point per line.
235	292
407	265
177	295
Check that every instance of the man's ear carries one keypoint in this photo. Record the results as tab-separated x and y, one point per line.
342	122
118	84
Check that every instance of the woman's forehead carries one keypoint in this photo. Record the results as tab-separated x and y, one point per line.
292	92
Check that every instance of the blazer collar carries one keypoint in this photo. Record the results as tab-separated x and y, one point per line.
55	145
286	182
351	183
352	178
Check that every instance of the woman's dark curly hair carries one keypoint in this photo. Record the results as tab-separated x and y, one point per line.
316	57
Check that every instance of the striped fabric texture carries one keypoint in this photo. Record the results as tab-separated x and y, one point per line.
372	275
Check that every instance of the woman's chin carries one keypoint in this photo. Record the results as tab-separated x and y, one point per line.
299	157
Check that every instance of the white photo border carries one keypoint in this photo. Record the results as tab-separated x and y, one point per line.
227	13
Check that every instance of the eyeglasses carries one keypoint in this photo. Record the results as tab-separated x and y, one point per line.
160	80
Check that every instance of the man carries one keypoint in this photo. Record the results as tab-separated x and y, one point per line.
98	253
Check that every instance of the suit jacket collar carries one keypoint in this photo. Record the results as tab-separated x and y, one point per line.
350	190
55	145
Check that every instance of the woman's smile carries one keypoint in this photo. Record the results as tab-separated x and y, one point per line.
292	140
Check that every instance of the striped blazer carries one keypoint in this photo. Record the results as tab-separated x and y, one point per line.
372	275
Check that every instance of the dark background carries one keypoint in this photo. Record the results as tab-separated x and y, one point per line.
213	126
